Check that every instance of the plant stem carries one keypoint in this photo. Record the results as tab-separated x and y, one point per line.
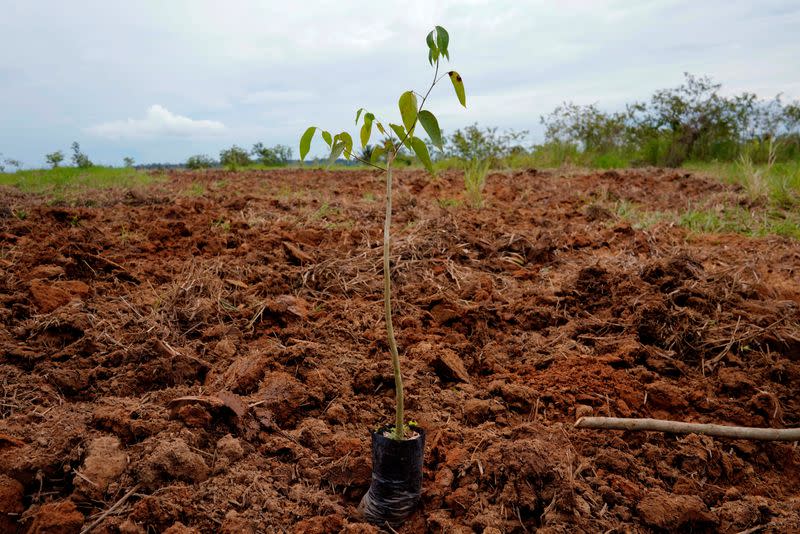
365	162
399	424
399	432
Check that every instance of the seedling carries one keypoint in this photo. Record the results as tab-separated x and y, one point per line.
412	111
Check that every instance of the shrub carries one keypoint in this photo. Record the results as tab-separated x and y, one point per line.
586	126
200	161
277	156
54	158
79	159
474	143
234	157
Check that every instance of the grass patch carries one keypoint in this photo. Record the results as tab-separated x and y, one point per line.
325	211
68	182
448	202
221	224
475	180
773	189
640	218
195	190
557	155
742	221
717	220
778	184
754	222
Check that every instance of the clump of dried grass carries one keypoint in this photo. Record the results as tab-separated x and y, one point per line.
203	293
19	395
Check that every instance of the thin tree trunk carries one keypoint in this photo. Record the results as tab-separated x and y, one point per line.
675	427
387	304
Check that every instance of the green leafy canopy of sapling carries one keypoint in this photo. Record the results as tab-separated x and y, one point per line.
412	112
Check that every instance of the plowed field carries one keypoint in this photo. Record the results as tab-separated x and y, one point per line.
207	355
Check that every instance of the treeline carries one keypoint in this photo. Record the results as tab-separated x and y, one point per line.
232	158
691	122
236	157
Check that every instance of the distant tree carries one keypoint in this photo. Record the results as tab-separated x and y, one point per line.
474	143
234	157
128	161
54	159
277	156
79	159
694	117
586	126
200	161
13	162
791	117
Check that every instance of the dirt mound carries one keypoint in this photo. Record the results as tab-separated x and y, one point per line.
223	356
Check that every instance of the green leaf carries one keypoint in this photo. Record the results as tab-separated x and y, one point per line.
431	125
433	55
305	142
358	114
327	137
442	40
422	153
400	131
408	109
366	131
377	152
381	129
348	143
458	85
336	151
433	51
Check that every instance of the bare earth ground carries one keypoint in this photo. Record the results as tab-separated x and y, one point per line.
257	295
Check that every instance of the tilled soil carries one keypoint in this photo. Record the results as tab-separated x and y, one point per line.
208	355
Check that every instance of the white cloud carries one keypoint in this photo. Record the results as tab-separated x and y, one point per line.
158	122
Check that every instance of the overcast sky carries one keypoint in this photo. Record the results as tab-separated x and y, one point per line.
162	80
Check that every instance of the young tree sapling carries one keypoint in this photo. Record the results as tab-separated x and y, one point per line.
412	111
396	485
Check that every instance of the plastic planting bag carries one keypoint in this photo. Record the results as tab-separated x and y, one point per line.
396	478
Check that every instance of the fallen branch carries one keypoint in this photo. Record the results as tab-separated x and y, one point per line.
675	427
108	512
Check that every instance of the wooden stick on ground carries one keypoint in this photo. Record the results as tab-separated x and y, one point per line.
110	510
675	427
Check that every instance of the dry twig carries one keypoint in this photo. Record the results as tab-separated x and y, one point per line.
676	427
108	512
